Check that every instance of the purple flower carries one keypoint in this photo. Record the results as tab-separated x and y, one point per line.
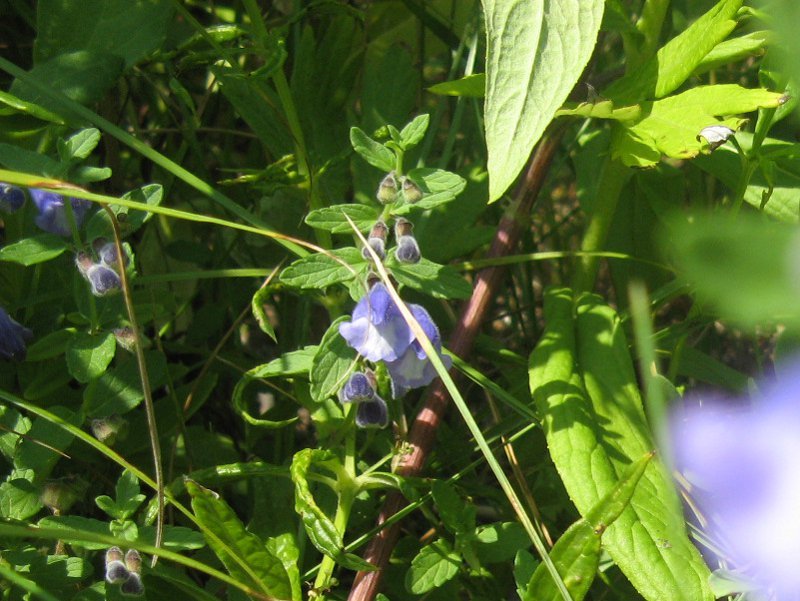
52	214
413	369
357	389
11	198
103	280
372	414
742	461
13	338
377	331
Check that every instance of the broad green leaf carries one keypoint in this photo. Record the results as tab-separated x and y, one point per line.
440	281
679	57
51	345
320	271
119	389
670	126
374	153
79	145
583	382
470	86
245	556
320	528
88	355
40	459
128	29
130	220
576	554
535	52
30	251
414	131
74	523
457	515
333	218
733	50
434	565
603	109
746	269
438	187
14	424
19	499
332	363
500	542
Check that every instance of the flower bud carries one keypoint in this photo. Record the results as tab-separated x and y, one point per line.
377	240
132	587
107	253
84	263
125	338
387	191
103	280
133	561
115	569
715	136
11	198
411	191
372	414
358	388
110	429
59	495
407	250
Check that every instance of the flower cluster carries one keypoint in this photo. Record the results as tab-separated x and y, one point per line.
372	411
378	332
103	275
741	462
128	573
407	250
13	338
52	213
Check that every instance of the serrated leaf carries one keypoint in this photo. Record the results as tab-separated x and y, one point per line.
88	355
678	58
671	126
244	554
583	382
440	281
576	554
320	528
332	362
438	187
128	494
374	153
19	499
414	131
535	52
30	251
434	565
470	86
320	271
334	218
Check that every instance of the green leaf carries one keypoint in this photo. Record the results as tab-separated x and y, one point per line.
19	499
128	496
440	281
500	542
602	109
79	145
50	345
333	362
434	565
732	50
320	528
576	554
257	305
679	57
14	424
119	389
457	515
414	131
73	523
128	29
438	187
374	153
30	251
671	126
40	459
320	271
333	218
535	52
88	355
130	220
244	555
470	86
29	108
584	385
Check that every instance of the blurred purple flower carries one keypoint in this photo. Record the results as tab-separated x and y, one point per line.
11	198
377	331
742	462
52	214
413	369
13	338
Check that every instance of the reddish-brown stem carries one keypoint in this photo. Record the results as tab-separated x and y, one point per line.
423	431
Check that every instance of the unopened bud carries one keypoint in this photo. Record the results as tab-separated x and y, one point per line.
715	135
125	338
387	191
84	263
133	561
107	253
132	587
372	414
59	495
103	280
407	250
109	430
358	388
377	240
11	198
403	227
115	569
411	191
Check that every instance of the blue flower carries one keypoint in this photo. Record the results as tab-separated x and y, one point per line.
742	462
52	214
372	414
103	280
11	198
357	389
13	338
377	331
413	369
